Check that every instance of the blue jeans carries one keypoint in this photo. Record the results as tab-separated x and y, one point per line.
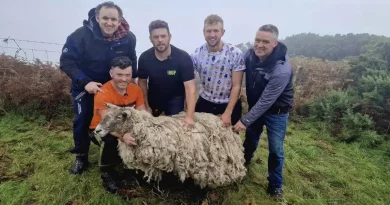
276	125
83	109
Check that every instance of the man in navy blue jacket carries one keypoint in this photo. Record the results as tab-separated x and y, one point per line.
269	89
85	58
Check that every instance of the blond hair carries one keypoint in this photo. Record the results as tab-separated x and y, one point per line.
213	19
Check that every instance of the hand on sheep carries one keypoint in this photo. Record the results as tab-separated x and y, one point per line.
189	121
93	87
239	127
226	119
148	109
129	140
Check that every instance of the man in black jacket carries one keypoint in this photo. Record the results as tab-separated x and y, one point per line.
85	58
269	89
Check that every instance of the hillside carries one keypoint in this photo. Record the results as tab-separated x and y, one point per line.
330	47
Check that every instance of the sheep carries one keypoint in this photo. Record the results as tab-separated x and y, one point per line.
209	153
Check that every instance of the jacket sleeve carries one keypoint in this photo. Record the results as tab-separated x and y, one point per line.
272	91
133	55
70	60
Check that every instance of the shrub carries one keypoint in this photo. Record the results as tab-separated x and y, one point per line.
33	87
313	78
333	106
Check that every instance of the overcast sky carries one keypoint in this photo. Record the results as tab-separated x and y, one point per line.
54	20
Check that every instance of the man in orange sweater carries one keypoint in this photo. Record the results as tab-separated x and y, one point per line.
121	92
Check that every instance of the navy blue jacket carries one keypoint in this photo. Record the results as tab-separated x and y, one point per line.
269	84
86	55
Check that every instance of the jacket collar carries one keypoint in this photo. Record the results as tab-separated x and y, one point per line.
277	55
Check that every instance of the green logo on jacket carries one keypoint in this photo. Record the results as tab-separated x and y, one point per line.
171	72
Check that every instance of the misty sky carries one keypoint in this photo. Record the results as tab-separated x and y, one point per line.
54	20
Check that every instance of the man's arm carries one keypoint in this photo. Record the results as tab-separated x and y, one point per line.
140	102
235	92
144	87
237	75
143	80
190	90
188	77
272	91
71	57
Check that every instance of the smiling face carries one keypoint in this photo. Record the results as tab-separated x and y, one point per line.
264	44
213	33
121	77
108	20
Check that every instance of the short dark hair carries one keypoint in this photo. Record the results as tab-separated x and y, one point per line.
108	4
121	62
158	24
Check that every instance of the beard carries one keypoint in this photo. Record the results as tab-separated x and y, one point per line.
161	48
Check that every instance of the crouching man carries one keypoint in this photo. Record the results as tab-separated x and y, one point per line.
121	92
269	90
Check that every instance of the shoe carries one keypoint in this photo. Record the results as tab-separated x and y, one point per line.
275	193
109	183
80	165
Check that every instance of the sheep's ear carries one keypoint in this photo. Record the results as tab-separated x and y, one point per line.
109	105
126	114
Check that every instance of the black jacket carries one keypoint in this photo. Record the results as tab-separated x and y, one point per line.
269	84
86	55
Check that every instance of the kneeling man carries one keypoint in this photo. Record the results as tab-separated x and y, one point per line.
121	92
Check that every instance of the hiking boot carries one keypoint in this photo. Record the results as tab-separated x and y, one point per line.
109	183
80	165
275	193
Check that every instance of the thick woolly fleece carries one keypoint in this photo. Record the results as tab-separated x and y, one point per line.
208	153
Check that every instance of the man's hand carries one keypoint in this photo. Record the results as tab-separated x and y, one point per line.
239	127
189	121
128	139
148	109
226	119
93	87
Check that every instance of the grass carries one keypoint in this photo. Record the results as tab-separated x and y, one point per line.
34	163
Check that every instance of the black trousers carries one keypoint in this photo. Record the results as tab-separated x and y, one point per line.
203	105
109	155
170	107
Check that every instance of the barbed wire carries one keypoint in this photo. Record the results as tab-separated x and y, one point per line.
30	41
33	50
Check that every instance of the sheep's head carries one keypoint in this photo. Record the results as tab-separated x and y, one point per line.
114	120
